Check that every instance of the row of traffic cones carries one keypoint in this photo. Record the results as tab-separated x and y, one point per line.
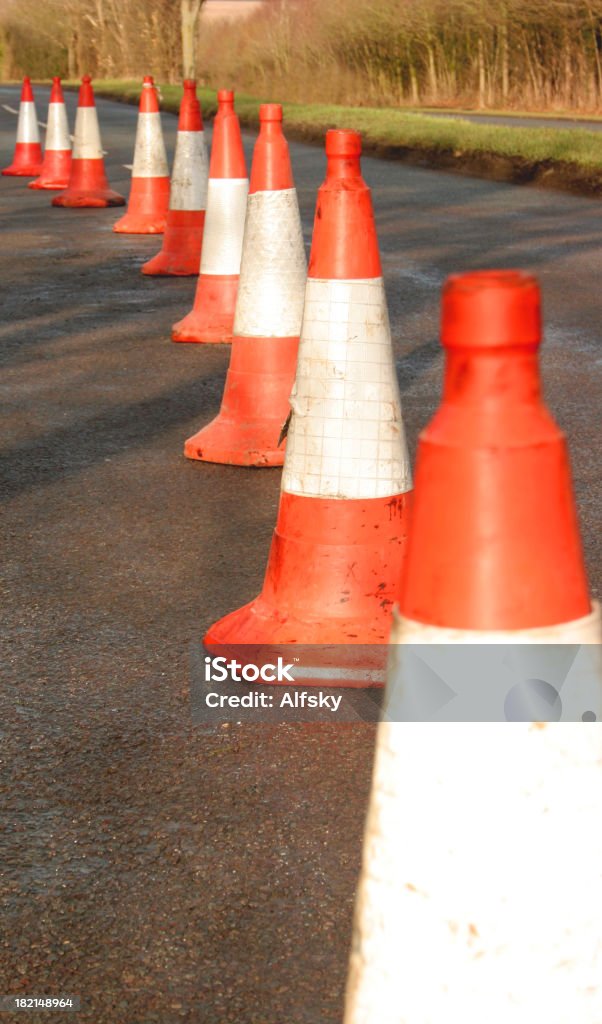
79	174
347	546
312	359
470	827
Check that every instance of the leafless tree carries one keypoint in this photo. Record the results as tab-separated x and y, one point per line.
191	10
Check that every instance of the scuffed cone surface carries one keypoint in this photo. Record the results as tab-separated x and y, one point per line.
481	888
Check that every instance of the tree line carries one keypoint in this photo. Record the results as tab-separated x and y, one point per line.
527	54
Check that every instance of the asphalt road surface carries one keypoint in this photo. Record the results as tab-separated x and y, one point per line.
162	872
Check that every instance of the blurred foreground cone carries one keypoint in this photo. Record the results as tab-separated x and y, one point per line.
465	890
27	159
338	548
149	194
269	309
212	317
88	185
56	166
507	554
183	238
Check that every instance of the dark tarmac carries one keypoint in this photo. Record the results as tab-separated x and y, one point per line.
161	871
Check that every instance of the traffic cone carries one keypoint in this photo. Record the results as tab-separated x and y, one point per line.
149	194
56	166
269	310
465	894
88	185
339	544
212	316
181	251
27	159
514	544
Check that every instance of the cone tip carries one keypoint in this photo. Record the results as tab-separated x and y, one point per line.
56	80
270	112
225	96
491	309
148	80
27	80
341	142
190	83
87	79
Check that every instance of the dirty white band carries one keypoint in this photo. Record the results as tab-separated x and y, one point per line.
190	173
273	268
150	158
346	438
27	123
481	887
224	225
57	130
86	139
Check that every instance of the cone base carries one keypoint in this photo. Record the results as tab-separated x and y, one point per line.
333	574
22	171
132	225
147	208
27	161
52	186
56	170
254	408
212	319
259	623
182	244
231	443
83	197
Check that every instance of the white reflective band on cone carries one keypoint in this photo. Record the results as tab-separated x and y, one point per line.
346	437
273	268
224	225
190	173
57	129
27	123
86	138
150	158
581	631
481	889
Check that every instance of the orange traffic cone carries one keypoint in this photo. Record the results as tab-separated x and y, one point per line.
508	556
472	826
183	238
56	167
149	194
212	317
27	159
339	544
88	185
269	309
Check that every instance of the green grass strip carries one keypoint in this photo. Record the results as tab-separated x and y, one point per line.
398	128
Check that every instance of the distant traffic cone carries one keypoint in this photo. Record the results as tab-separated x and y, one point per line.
88	185
183	238
339	544
269	310
27	159
56	167
211	319
473	820
149	193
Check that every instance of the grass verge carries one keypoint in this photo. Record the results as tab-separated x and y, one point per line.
565	158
